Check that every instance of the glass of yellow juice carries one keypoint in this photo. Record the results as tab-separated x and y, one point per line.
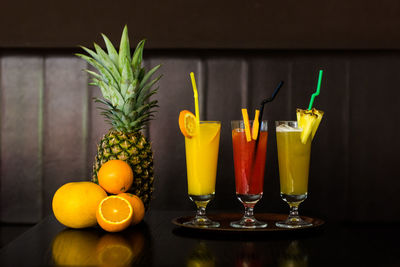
294	163
201	164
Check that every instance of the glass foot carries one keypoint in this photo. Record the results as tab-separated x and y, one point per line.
250	223
293	223
293	220
203	222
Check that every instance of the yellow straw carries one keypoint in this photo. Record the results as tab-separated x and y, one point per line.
246	124
256	125
196	98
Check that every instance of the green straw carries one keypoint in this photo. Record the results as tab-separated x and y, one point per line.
316	92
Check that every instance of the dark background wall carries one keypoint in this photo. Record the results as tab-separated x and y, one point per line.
50	127
253	24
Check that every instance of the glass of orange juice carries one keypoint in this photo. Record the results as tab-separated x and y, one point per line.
201	164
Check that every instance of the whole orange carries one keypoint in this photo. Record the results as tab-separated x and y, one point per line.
115	176
137	205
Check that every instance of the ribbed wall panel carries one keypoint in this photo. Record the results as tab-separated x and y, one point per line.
265	73
65	124
21	138
226	95
374	137
50	128
97	126
175	94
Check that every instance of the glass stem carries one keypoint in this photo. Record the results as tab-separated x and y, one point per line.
249	210
294	211
201	208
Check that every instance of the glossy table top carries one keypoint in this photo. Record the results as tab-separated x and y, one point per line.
158	242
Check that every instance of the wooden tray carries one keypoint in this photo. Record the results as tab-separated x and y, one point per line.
225	218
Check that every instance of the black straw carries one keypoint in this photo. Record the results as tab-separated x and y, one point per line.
265	101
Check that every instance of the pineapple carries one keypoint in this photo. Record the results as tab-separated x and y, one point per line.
309	121
126	88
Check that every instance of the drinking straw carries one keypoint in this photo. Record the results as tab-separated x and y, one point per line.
196	98
316	92
246	124
265	101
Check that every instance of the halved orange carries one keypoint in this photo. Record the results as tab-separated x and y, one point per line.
187	123
114	213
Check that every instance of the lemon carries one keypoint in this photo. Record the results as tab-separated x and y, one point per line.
75	204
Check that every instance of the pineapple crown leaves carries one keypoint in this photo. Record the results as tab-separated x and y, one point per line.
126	86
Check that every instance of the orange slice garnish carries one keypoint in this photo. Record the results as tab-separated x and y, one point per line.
187	123
246	124
114	213
256	125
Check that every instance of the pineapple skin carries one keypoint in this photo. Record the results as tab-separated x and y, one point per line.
134	149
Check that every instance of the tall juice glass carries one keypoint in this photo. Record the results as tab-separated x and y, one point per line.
249	162
201	165
294	163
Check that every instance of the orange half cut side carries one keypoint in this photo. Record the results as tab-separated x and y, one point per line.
187	123
114	213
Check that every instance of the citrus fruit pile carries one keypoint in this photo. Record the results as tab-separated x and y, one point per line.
86	204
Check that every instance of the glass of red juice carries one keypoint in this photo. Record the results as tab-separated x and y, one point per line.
249	160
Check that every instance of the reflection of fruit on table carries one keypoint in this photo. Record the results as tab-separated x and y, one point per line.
114	250
90	247
139	238
75	247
